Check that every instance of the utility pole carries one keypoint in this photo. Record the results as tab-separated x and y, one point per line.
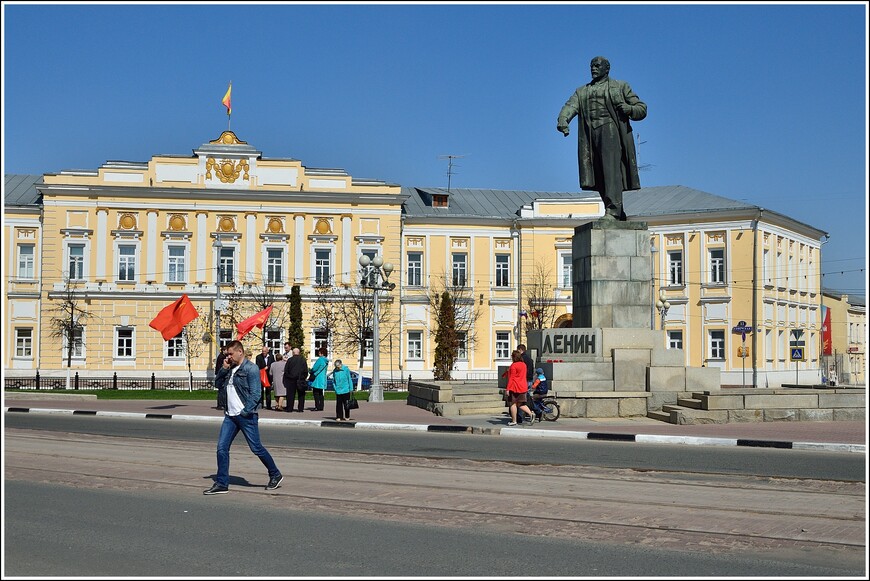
450	171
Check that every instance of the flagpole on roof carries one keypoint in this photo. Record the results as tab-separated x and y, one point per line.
227	101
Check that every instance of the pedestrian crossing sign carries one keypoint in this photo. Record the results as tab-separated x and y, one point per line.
797	354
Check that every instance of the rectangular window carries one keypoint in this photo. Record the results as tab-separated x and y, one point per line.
175	347
717	265
26	261
765	267
273	340
175	263
226	265
459	269
415	269
502	345
415	345
76	261
77	344
369	345
321	340
124	343
274	265
565	277
502	270
462	346
127	263
717	345
675	268
24	343
675	339
322	267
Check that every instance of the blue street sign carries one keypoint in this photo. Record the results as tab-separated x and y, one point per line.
797	354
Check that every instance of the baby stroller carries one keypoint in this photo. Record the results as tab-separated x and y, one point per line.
544	406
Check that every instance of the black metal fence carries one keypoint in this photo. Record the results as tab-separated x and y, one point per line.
114	382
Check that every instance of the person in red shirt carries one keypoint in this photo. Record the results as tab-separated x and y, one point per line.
517	388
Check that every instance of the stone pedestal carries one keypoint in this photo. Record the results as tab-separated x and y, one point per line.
612	273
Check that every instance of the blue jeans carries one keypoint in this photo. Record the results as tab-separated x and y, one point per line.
229	429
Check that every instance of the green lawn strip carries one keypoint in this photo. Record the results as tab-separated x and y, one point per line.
178	394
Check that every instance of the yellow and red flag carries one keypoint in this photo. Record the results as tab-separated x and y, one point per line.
257	321
226	100
172	318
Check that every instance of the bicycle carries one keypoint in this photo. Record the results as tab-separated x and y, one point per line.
547	408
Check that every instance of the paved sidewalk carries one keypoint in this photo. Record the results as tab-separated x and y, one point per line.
397	415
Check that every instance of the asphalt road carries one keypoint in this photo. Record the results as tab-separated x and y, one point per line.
89	496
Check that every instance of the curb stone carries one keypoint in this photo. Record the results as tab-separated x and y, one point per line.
517	432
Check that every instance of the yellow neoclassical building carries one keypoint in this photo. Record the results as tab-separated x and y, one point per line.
103	251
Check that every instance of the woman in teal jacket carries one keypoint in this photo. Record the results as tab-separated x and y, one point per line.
343	385
318	384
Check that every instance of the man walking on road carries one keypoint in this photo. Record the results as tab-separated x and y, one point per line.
243	398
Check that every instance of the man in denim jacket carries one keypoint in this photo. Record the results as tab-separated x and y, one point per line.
240	379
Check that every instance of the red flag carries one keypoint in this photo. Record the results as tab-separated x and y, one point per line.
172	318
826	331
257	320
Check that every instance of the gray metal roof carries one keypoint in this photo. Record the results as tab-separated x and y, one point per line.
20	190
659	200
479	202
852	299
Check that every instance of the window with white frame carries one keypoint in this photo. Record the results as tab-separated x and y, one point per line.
765	267
781	347
415	269
274	340
415	345
502	345
175	347
369	271
274	265
502	270
176	269
369	345
78	343
226	265
461	345
675	267
675	339
321	340
124	342
780	277
565	268
717	265
460	269
76	254
717	345
23	342
26	261
322	267
127	262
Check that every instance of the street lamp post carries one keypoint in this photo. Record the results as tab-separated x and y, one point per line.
218	245
663	305
375	276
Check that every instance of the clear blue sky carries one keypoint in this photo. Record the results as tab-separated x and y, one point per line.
761	103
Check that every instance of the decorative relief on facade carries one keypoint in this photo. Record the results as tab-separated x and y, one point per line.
415	243
177	222
229	138
127	221
226	223
227	171
25	233
503	243
322	226
674	239
459	243
715	237
275	225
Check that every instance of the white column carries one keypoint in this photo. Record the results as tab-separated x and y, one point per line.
347	265
201	238
299	244
102	236
151	252
250	244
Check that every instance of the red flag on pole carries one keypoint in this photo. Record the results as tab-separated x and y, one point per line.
257	321
172	318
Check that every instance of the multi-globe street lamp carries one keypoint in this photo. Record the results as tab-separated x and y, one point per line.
375	276
663	305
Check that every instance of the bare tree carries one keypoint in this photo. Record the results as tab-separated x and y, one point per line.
247	299
539	294
66	321
461	318
197	336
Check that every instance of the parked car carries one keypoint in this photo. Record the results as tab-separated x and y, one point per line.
366	381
